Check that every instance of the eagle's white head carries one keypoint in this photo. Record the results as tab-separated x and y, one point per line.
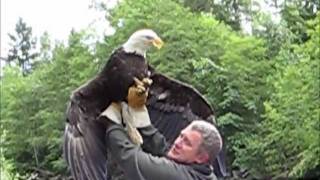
141	40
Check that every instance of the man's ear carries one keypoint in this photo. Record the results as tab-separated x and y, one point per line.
202	157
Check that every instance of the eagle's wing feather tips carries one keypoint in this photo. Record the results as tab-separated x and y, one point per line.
84	146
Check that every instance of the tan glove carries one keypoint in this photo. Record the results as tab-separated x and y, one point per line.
138	93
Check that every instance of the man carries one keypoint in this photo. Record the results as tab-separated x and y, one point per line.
188	159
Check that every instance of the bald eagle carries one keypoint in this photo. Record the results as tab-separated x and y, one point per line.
172	105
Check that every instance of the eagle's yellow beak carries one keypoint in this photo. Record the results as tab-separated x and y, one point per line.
157	42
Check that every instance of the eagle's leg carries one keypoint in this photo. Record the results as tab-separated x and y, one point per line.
142	86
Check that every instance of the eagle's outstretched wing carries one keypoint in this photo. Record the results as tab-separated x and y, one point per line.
84	145
172	105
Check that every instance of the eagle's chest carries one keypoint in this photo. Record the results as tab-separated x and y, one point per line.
137	67
121	71
130	65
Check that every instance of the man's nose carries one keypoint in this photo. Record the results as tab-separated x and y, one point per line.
178	144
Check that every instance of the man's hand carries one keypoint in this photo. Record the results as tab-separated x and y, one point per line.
138	93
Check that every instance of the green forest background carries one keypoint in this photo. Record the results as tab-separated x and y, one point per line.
263	85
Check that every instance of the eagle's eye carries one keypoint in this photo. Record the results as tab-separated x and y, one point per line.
148	37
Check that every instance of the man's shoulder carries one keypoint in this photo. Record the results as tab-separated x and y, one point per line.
202	172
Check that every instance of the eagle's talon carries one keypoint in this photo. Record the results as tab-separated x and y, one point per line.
138	82
141	89
147	81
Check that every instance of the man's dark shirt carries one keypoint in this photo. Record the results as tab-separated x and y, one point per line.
149	162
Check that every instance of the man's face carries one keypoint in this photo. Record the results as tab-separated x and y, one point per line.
185	148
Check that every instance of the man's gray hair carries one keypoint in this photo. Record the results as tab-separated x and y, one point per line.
211	138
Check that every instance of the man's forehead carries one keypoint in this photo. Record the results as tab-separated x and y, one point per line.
190	131
188	128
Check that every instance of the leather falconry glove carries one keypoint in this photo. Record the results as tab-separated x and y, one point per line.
138	93
138	117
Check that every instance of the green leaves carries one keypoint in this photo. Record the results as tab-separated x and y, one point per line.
32	107
290	136
23	46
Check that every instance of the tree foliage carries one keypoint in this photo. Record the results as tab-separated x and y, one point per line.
32	107
287	144
231	12
296	13
23	45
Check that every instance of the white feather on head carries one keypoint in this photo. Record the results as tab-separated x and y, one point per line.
141	40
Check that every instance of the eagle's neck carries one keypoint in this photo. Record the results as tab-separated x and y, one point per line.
132	46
